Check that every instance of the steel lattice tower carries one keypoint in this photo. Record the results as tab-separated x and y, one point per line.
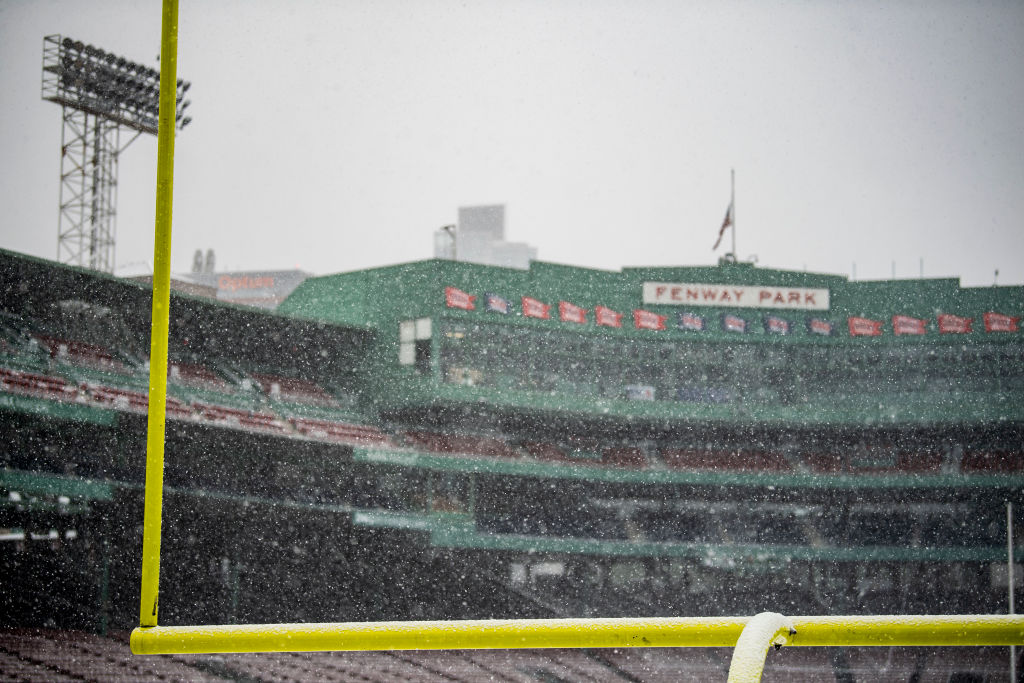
86	230
99	94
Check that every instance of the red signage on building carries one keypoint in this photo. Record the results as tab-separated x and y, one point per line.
997	322
864	327
607	317
571	313
533	308
954	324
645	320
456	298
904	324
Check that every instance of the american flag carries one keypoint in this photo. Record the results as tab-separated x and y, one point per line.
776	325
691	321
733	323
495	303
725	224
819	326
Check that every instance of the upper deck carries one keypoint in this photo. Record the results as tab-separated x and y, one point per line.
732	343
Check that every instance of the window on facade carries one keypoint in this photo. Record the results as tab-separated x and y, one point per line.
414	344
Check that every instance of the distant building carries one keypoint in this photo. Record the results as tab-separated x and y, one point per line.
480	238
186	286
258	288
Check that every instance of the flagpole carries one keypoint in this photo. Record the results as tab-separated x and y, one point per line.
732	203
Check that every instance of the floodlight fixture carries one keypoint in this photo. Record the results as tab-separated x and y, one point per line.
99	93
87	78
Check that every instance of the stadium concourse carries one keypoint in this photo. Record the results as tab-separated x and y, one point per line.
444	440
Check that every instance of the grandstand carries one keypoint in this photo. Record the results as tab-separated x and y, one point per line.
441	440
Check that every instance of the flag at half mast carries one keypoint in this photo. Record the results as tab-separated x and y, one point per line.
730	218
725	224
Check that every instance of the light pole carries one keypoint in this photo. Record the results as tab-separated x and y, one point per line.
100	93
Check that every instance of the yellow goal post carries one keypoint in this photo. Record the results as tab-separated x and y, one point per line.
750	636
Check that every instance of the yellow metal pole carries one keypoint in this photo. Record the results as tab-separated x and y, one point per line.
149	601
909	630
441	635
974	630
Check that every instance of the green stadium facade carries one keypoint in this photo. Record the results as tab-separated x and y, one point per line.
444	440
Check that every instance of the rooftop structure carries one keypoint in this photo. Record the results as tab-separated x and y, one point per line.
479	237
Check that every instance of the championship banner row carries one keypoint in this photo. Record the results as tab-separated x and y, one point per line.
773	324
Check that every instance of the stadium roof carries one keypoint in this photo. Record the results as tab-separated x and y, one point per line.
222	329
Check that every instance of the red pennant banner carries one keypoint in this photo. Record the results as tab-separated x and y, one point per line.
456	298
954	324
571	313
607	317
997	322
533	308
904	324
645	320
864	327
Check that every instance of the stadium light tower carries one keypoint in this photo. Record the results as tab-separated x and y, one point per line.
100	93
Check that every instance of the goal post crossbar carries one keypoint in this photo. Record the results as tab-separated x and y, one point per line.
812	631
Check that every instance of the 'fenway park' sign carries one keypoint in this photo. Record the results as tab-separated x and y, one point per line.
738	296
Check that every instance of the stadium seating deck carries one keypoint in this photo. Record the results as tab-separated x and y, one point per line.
544	451
437	442
341	432
203	398
198	376
992	461
37	385
18	357
252	419
624	457
133	400
294	390
47	655
81	353
735	459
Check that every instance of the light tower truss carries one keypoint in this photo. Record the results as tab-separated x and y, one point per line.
99	94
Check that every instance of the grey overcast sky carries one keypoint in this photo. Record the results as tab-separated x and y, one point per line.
337	135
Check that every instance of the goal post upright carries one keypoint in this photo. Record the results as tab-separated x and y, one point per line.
155	432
